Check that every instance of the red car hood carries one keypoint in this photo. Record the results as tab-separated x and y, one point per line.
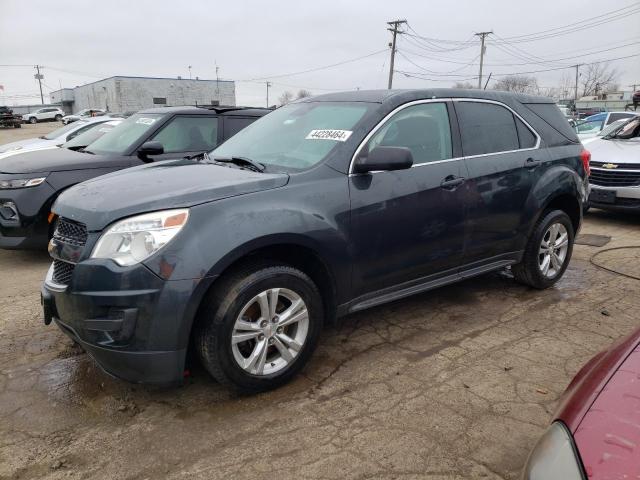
601	407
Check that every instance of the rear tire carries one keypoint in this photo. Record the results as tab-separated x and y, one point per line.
254	302
17	125
548	251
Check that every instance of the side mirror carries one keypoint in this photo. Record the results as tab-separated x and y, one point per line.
384	158
150	148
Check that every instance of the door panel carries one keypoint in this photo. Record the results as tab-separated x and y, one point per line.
500	177
405	224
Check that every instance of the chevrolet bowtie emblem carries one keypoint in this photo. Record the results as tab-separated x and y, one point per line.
610	165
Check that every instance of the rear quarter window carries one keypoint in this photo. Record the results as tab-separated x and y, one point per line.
552	116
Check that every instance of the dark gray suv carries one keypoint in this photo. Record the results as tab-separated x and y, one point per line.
326	206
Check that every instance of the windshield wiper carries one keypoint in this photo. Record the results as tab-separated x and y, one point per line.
242	162
204	156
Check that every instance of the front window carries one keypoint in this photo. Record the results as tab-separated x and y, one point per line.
424	129
189	134
129	132
297	136
61	131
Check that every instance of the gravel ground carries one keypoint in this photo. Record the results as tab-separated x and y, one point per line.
455	383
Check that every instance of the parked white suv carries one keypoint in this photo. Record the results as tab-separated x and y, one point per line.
43	114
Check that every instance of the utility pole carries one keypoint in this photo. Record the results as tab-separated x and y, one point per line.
395	24
39	77
268	85
575	92
482	36
189	72
217	81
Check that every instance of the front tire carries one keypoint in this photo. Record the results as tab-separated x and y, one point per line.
33	120
58	118
548	251
259	326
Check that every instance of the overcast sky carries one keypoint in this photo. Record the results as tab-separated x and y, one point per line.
82	41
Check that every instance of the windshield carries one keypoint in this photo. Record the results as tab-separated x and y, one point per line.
129	132
91	135
62	130
296	136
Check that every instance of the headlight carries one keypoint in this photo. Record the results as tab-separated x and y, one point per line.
554	457
21	183
133	239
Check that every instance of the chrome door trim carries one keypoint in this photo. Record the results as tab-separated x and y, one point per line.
381	123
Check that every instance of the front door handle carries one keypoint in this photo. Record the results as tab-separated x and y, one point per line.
452	182
531	163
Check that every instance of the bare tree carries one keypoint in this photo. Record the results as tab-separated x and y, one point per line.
302	93
517	84
285	98
598	78
463	85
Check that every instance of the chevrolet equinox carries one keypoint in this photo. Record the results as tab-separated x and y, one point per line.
326	206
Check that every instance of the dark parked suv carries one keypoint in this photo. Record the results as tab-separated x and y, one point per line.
31	181
326	206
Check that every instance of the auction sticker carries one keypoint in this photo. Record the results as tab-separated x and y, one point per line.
146	121
337	135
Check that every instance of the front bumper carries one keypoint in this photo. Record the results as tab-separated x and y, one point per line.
627	199
134	324
23	216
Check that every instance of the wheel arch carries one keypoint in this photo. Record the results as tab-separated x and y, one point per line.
294	250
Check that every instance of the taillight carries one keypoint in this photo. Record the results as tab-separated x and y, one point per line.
585	156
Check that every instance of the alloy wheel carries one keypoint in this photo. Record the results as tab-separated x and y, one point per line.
270	331
553	250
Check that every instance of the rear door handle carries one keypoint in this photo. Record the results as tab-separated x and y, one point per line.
451	182
531	163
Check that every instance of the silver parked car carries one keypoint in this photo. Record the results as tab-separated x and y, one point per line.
615	168
56	137
83	114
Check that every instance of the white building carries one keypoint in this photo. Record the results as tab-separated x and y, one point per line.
123	94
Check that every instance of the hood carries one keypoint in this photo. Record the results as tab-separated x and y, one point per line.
593	379
608	437
615	150
58	160
22	144
158	186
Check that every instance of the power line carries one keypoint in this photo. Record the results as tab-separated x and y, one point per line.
315	69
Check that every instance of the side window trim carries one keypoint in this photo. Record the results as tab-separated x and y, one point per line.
516	115
381	123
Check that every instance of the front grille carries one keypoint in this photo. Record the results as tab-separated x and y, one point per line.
614	178
62	272
70	232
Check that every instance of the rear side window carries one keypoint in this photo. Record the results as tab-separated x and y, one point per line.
526	136
486	128
189	134
424	129
551	114
233	125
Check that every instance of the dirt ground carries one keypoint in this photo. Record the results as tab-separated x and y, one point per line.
456	383
27	131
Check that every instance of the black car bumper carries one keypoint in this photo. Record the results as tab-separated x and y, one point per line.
23	216
134	324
